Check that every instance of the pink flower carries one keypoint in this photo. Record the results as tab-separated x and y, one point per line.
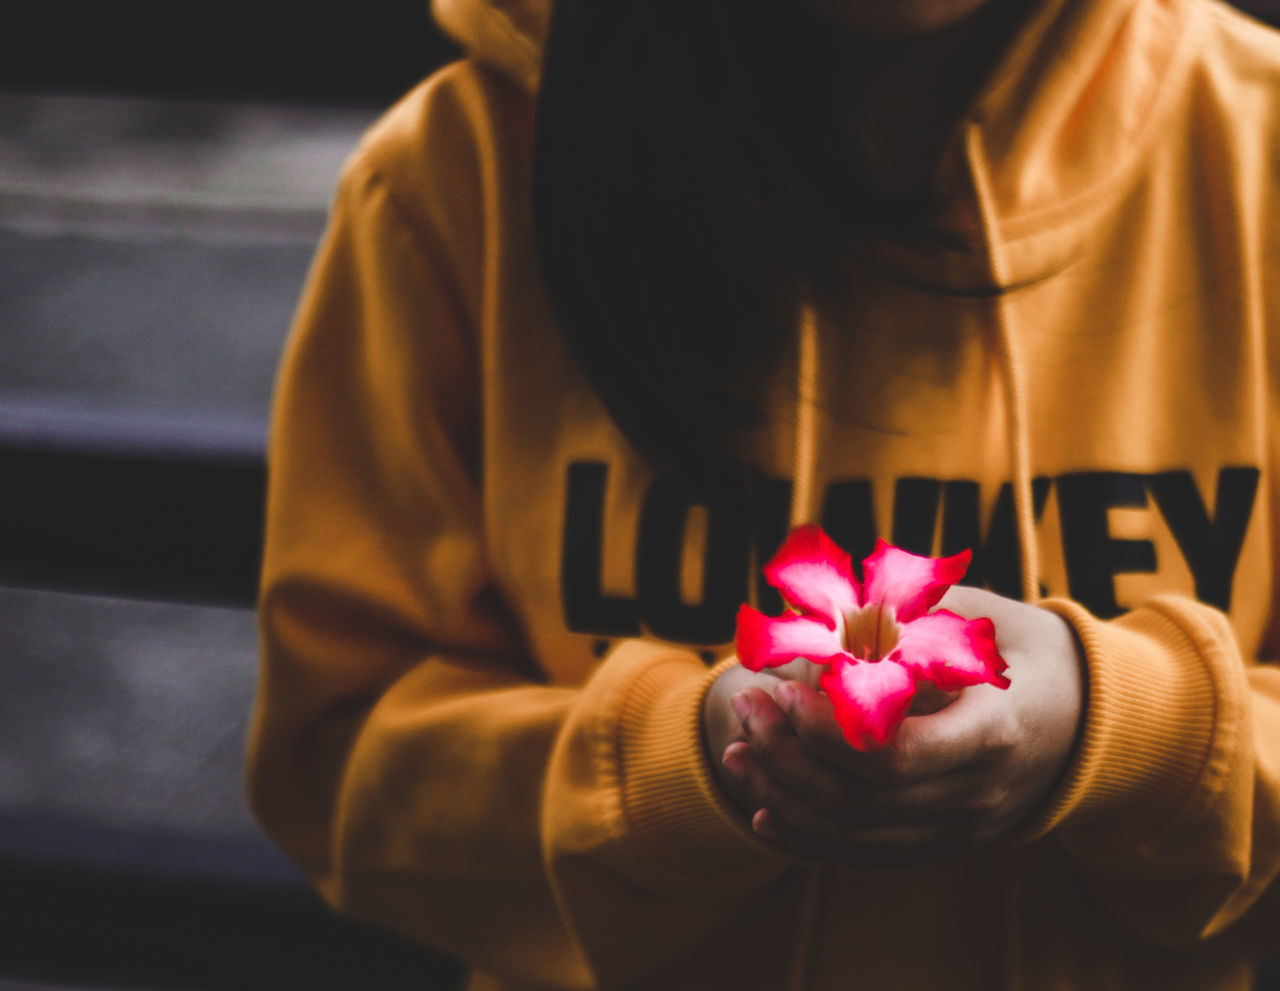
877	636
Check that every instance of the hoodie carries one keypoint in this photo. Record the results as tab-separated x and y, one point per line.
488	625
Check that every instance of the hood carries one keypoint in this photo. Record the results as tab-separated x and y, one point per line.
1051	141
1057	135
507	35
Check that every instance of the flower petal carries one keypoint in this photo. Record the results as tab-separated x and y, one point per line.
951	651
766	641
814	575
911	583
870	699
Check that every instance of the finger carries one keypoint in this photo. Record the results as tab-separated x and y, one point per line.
812	717
801	670
934	745
774	744
929	698
807	832
734	779
910	824
964	800
781	772
773	739
948	741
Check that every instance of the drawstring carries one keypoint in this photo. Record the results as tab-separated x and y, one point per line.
803	469
1016	426
1019	449
805	458
1018	439
1010	381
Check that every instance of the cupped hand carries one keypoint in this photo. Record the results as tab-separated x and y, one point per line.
969	773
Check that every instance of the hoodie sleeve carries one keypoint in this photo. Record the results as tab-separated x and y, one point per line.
1172	806
406	751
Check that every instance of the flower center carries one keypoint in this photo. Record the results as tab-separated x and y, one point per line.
871	633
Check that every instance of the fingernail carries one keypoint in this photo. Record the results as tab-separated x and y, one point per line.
785	694
741	706
733	764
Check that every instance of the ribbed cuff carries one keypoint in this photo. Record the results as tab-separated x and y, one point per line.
1150	716
671	801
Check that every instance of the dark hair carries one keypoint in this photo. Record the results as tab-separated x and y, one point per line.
688	189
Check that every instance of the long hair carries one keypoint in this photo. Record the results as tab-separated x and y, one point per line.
689	187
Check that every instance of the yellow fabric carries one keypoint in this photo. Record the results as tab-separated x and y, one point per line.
478	719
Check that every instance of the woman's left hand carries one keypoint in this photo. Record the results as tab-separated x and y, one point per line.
970	773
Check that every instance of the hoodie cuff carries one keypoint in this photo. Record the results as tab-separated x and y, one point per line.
672	802
1148	736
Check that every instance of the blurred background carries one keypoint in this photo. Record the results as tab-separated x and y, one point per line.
165	172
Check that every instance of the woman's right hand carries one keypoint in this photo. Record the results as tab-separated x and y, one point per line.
722	725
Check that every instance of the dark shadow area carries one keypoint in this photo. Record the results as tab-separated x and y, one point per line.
117	910
284	50
136	506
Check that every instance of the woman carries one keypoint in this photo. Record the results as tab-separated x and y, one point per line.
955	273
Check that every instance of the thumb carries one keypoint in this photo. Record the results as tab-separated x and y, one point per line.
947	740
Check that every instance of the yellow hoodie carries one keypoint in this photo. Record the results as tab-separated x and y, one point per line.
487	623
